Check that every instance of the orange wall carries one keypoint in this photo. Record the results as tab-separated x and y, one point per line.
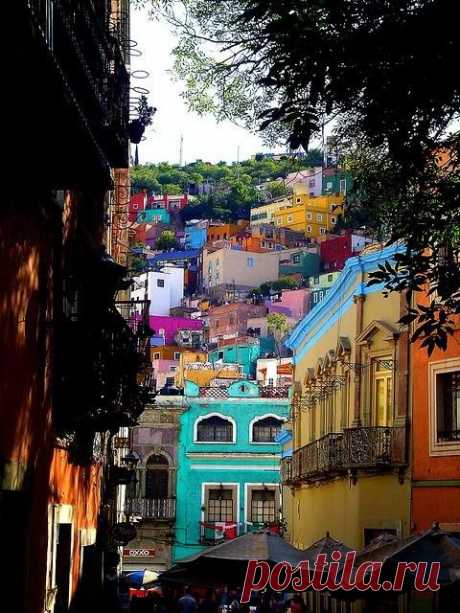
431	504
28	239
436	502
424	465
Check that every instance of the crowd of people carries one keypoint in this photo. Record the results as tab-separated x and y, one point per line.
209	601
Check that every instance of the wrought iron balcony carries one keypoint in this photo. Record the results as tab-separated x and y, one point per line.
89	60
319	459
151	508
270	391
374	447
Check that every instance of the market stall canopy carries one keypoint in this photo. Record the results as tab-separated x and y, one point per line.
434	545
325	545
263	545
226	563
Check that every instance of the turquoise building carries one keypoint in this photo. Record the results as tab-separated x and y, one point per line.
228	477
238	351
301	262
158	215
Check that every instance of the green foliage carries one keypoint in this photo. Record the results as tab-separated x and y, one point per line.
166	241
231	187
276	286
388	70
277	324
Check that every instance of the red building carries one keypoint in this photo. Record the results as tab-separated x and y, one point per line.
335	250
137	204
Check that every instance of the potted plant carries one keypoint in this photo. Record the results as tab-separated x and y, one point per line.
137	126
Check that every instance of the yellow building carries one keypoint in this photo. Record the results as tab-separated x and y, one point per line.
188	356
347	474
315	216
204	374
265	213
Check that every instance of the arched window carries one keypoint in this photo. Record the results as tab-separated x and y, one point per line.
156	477
214	429
265	430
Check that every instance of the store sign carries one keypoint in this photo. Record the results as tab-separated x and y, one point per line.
139	553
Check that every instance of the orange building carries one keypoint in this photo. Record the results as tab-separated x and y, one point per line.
436	435
225	231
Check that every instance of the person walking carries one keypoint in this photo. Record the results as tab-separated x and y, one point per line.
187	604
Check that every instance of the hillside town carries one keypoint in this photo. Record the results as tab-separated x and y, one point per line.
202	365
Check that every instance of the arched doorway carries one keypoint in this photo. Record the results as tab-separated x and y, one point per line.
156	477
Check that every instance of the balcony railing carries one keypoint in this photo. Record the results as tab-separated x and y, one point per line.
240	340
267	391
270	391
151	508
90	60
375	447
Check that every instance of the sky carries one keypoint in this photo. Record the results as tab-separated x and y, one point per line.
203	137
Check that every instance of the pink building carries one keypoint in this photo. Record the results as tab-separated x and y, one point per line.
296	301
166	326
164	371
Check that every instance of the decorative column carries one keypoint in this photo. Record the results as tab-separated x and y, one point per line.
357	370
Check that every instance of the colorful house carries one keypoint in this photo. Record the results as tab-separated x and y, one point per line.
336	250
336	181
305	262
228	463
153	215
243	351
195	234
152	497
219	231
320	285
227	271
231	320
264	213
168	202
166	327
314	216
349	468
436	433
189	259
308	179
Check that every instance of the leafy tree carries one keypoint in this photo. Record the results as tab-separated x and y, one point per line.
277	324
389	70
172	189
276	286
166	241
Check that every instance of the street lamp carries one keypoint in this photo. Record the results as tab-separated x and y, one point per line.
130	460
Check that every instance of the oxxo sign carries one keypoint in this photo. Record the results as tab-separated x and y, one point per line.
139	553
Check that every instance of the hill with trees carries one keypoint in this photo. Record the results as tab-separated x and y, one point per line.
222	191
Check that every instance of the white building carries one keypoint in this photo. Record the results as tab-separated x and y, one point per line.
164	288
307	181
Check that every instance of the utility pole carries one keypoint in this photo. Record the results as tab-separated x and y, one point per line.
238	162
181	149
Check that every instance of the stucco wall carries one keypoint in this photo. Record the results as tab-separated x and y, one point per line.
238	463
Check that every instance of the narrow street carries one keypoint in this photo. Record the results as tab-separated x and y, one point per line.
229	305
